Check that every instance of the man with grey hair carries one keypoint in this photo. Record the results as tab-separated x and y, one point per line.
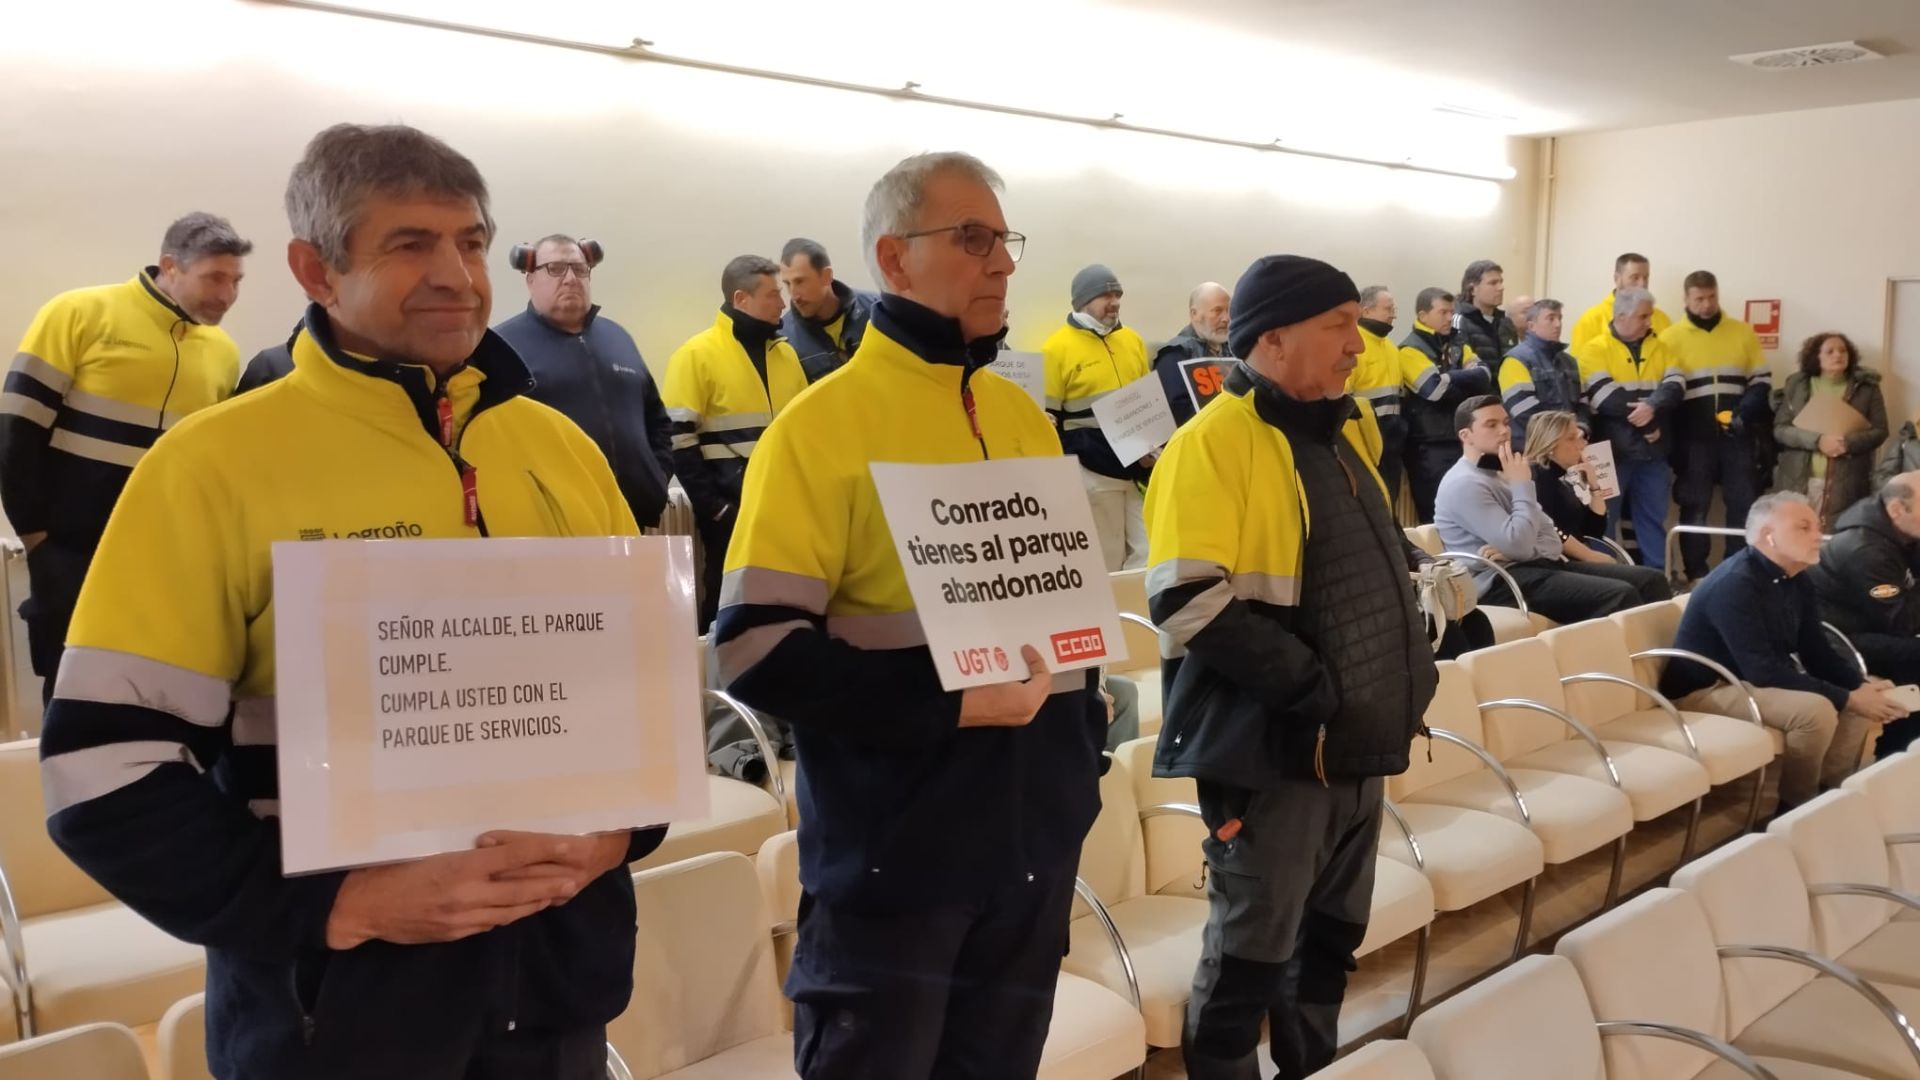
1190	364
1539	375
1088	358
1634	386
722	388
1758	616
100	373
940	830
159	758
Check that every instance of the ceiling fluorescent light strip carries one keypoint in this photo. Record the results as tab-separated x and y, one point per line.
643	50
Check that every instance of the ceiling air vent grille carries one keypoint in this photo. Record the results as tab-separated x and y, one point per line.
1808	56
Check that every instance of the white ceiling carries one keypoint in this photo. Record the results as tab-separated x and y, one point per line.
1575	65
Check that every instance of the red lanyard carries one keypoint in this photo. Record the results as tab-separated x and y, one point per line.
469	477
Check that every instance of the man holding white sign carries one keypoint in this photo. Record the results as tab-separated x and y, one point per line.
1299	666
1089	358
939	829
404	417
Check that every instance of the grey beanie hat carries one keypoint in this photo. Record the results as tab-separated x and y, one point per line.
1093	283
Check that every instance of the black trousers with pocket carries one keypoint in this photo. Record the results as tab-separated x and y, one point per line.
962	991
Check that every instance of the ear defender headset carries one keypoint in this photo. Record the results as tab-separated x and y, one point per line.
520	256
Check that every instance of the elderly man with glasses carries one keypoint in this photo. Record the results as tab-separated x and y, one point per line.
939	830
587	366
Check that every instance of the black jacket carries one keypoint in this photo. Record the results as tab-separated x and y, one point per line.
1571	516
1753	618
1362	672
1430	418
821	356
1490	339
270	363
1865	577
598	380
1186	345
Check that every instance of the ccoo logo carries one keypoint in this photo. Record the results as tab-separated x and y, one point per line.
1074	645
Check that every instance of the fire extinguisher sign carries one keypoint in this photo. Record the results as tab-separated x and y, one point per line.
1764	317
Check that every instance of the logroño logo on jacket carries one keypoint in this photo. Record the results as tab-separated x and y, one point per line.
397	530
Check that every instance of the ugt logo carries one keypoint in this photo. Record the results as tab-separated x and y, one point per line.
977	661
1074	645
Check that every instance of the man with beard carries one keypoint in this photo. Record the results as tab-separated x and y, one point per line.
1085	360
825	317
1203	339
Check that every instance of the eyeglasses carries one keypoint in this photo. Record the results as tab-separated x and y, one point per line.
978	239
560	269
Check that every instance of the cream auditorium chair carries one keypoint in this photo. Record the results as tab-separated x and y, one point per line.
1652	975
1650	631
73	954
1467	855
1172	831
1529	1021
1121	933
1096	1033
1783	998
1382	1059
1570	815
1892	788
1604	691
741	816
1143	645
1840	851
1529	729
98	1051
181	1042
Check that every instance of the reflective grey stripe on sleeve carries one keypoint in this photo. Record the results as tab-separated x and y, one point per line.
79	776
1197	613
41	372
738	654
727	451
773	588
119	678
899	630
13	404
87	446
734	421
684	416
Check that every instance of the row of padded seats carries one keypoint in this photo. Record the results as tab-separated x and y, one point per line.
104	1050
715	942
1792	954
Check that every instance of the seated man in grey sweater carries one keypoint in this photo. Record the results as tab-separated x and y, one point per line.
1487	501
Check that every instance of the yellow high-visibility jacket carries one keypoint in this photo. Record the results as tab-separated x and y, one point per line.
1081	368
720	405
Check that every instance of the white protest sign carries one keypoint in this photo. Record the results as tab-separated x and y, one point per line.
1025	370
1599	459
1001	554
1135	419
432	690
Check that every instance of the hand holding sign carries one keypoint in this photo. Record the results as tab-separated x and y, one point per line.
1008	704
448	897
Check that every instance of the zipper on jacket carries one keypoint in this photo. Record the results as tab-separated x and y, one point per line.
1320	756
307	1022
973	414
469	476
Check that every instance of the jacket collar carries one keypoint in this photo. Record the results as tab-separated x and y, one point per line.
1490	324
1543	346
1634	348
1376	327
1086	323
1709	325
751	333
1763	566
161	306
1188	333
549	324
931	336
844	294
1317	420
1871	514
390	389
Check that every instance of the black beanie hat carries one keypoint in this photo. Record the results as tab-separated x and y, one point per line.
1280	290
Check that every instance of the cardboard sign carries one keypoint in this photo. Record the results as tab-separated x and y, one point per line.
1606	477
432	690
1001	554
1825	414
1136	418
1025	370
1205	377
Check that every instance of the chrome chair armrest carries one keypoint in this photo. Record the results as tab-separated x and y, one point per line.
1845	976
1861	888
1614	547
1406	832
1493	765
1519	598
1699	1040
19	983
1901	838
1580	729
759	730
1085	892
1171	809
1715	666
1659	699
617	1068
1847	644
1140	621
786	928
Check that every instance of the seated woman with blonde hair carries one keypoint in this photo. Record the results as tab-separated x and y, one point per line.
1563	482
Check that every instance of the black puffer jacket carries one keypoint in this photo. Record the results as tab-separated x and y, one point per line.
1865	576
1490	339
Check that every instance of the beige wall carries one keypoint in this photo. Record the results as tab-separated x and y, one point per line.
1815	209
118	117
